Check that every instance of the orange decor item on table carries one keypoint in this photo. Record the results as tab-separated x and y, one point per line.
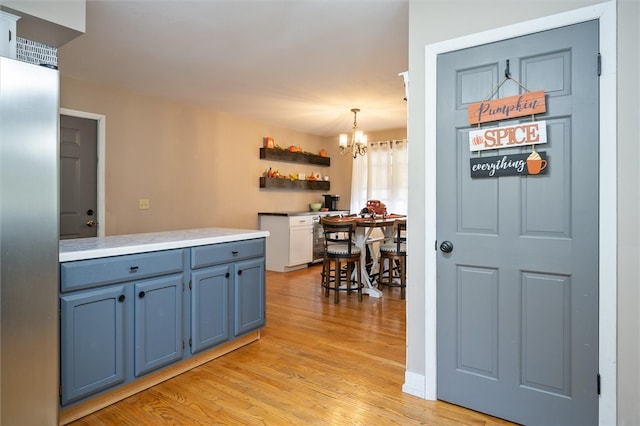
376	206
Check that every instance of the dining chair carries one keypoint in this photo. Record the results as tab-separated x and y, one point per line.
341	258
395	254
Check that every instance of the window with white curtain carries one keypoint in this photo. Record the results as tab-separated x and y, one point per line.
381	174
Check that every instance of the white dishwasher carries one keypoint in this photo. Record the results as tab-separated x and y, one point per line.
290	243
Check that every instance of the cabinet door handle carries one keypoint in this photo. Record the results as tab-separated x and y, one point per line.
227	275
240	272
121	298
141	294
133	269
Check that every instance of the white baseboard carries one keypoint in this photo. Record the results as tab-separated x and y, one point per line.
414	384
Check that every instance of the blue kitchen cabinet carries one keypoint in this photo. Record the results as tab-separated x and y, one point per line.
209	307
248	296
158	323
112	333
123	317
92	341
226	278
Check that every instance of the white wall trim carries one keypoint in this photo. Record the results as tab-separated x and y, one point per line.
414	384
606	14
102	125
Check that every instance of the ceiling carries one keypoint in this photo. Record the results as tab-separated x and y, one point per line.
298	64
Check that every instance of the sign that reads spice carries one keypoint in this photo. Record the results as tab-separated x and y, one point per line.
534	163
508	136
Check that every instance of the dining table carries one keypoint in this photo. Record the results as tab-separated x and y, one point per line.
366	224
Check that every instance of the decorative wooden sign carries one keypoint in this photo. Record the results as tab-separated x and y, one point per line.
506	108
508	136
534	163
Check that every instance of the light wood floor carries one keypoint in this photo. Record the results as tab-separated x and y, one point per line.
316	364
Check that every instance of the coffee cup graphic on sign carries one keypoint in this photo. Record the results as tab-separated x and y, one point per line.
535	163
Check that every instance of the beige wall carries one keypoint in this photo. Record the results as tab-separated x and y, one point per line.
628	210
385	135
198	168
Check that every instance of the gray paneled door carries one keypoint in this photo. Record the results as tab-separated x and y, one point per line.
78	177
517	296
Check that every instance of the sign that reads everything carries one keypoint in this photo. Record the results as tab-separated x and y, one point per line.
505	108
534	163
508	136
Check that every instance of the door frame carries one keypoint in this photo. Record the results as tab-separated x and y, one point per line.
100	194
605	13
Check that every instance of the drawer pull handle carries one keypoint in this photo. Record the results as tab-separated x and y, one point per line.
141	294
133	269
121	298
235	252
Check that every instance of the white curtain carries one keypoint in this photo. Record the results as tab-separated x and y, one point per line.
381	174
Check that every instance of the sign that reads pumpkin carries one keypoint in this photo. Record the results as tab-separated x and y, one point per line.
508	136
505	108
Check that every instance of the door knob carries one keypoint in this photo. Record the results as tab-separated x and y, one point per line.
91	223
446	247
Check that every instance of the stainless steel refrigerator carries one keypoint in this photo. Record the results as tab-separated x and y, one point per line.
29	101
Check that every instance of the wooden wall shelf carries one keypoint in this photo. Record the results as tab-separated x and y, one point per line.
293	157
280	183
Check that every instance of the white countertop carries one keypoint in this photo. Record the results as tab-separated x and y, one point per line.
91	248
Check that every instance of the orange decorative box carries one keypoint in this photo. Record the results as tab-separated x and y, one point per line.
376	206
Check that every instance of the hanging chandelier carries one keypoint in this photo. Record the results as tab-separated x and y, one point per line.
358	143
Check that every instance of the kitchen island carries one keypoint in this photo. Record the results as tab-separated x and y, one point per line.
138	309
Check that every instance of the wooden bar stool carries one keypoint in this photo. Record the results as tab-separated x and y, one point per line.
395	253
339	249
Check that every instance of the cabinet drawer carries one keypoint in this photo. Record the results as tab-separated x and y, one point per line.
300	220
97	272
226	252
